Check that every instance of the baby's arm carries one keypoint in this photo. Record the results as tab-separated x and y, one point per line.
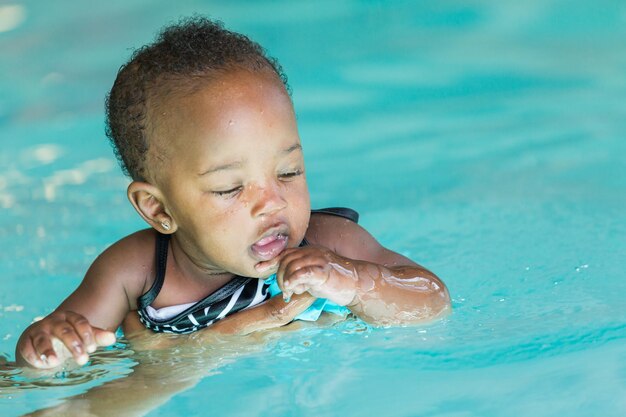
275	312
349	267
90	315
271	314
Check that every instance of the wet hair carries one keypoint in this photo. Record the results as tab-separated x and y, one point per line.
180	61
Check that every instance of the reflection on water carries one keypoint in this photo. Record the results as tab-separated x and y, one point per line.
11	16
109	363
129	379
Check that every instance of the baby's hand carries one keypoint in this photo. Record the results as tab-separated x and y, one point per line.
36	346
317	270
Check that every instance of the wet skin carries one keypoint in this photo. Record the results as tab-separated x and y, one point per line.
234	175
226	174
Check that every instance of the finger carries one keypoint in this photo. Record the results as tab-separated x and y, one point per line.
273	263
280	273
306	265
42	343
28	353
66	333
62	352
300	289
84	331
104	337
286	266
296	284
266	265
309	276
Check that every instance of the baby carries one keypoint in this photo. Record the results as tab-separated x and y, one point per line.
203	123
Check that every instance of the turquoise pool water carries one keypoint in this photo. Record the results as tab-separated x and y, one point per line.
486	140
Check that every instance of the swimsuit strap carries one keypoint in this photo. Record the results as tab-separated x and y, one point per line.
344	212
236	295
222	293
162	243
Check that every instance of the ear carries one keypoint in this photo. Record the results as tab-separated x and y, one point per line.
148	201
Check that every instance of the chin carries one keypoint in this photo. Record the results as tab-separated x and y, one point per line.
251	272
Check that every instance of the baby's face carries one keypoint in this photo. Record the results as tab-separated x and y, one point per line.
233	173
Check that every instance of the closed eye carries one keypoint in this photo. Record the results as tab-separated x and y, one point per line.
228	193
288	175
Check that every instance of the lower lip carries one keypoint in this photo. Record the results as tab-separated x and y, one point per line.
271	249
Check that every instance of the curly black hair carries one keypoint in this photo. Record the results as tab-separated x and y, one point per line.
182	57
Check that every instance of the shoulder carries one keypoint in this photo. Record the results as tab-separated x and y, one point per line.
129	262
114	281
348	239
135	243
340	234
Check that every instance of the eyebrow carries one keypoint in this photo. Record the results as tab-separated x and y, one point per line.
238	164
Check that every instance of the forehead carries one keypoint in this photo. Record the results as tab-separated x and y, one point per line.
229	114
235	100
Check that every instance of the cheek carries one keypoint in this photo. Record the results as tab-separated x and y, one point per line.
223	219
203	218
301	210
222	232
298	195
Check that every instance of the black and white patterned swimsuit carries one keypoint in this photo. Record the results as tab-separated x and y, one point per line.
237	294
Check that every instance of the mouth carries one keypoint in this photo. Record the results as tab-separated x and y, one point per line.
270	245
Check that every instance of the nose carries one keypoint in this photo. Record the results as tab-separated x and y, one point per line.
270	199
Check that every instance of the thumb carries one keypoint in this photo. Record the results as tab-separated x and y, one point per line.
266	265
103	337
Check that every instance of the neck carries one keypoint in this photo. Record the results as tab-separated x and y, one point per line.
192	268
